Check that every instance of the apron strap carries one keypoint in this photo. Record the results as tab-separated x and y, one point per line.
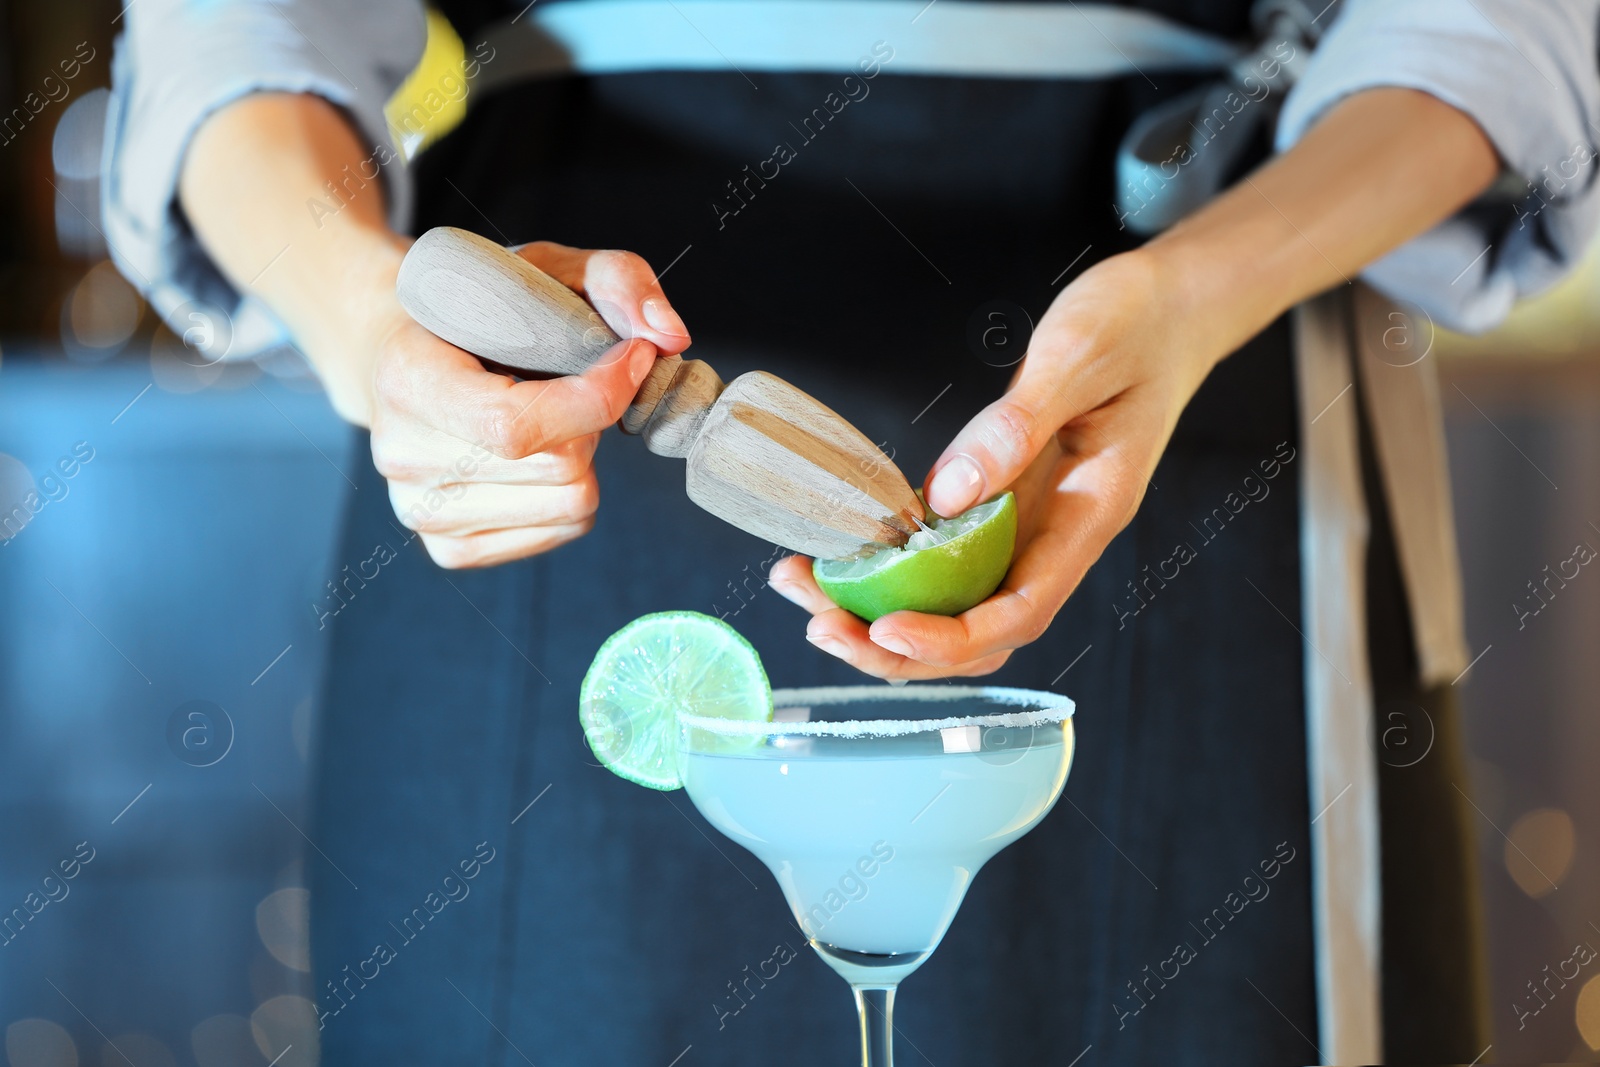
1346	887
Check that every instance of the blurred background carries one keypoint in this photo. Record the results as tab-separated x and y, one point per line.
166	770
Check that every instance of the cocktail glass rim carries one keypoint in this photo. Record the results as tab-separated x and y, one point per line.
1041	709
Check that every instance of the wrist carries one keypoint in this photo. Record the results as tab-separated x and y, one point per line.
1227	280
345	324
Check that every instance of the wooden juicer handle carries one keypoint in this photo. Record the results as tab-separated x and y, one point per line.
491	302
762	454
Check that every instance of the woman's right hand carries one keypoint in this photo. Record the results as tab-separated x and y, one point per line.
488	469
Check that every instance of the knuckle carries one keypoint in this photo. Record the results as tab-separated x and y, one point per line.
614	283
421	520
600	403
1128	511
585	499
1009	431
1123	501
568	464
509	432
434	523
1030	623
451	553
497	433
573	532
537	252
385	461
1135	500
392	380
421	512
615	264
391	460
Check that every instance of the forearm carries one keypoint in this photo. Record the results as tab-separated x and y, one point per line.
1383	167
250	180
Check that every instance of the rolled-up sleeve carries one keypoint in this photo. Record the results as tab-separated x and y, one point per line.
179	61
1525	71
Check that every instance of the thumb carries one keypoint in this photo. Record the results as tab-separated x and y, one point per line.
994	448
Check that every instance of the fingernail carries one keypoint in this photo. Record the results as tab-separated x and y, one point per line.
786	589
892	641
659	314
828	644
641	365
955	488
898	682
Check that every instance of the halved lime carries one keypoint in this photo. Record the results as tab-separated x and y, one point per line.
652	669
943	570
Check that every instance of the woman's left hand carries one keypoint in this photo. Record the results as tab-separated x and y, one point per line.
1077	436
1124	347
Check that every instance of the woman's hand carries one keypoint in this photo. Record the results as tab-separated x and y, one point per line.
1077	435
1126	345
486	468
489	469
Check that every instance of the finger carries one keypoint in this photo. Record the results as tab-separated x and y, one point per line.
413	452
477	508
999	443
842	635
1091	503
792	578
433	382
621	287
493	547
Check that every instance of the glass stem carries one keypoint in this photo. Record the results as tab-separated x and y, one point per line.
875	1004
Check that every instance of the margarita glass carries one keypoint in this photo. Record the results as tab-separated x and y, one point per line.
875	807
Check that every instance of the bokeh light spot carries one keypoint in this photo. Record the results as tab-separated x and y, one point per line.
16	482
1539	850
103	309
1589	1013
40	1043
283	919
80	136
287	1027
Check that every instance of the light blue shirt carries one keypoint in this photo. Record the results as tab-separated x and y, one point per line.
1526	73
1524	70
179	61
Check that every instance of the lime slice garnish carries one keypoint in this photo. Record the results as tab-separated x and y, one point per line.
652	669
943	570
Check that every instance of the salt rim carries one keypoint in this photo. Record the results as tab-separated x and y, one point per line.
1044	709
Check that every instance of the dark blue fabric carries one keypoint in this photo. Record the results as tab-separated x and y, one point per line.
612	920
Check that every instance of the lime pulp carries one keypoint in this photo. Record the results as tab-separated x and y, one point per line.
944	569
